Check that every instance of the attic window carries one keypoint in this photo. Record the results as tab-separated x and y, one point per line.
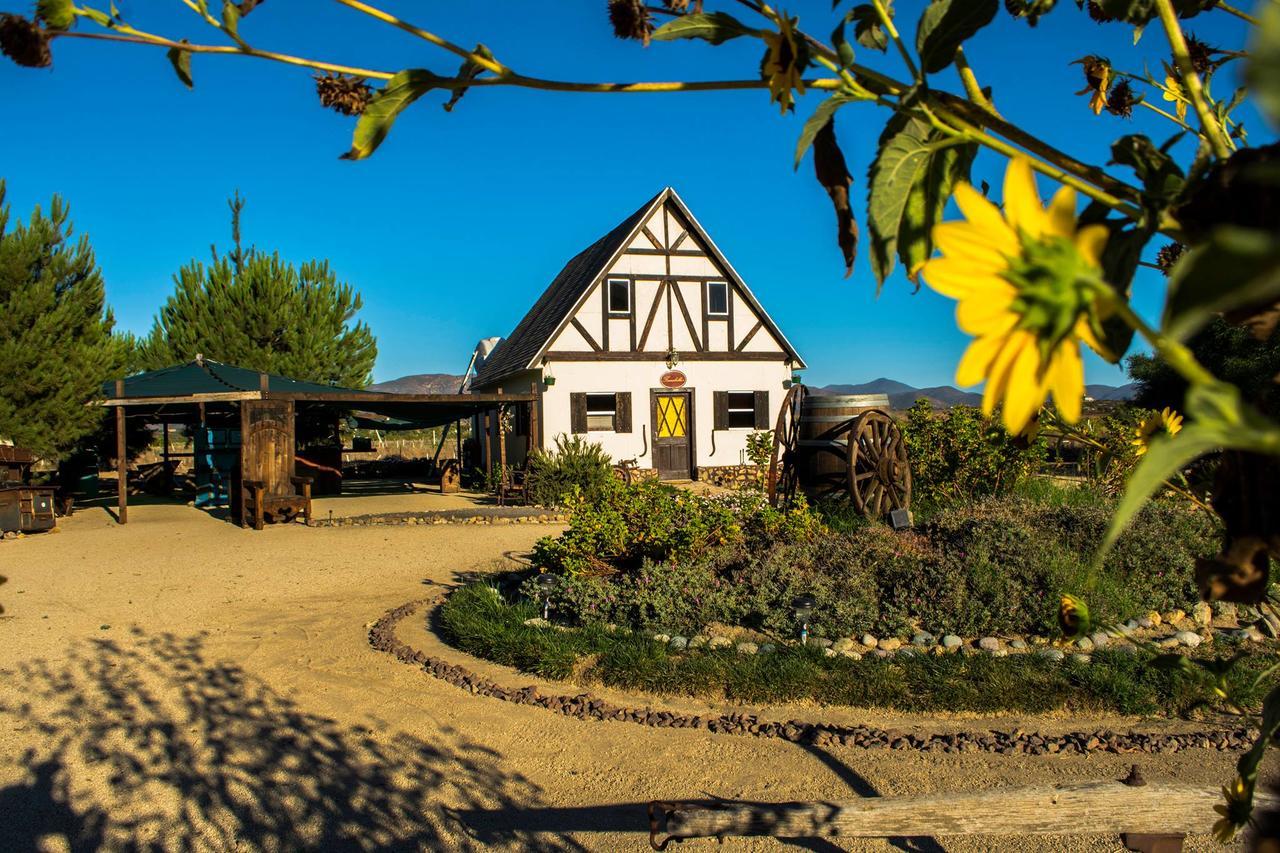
718	298
619	296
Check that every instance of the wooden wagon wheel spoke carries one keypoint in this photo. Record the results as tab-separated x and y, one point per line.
783	475
878	474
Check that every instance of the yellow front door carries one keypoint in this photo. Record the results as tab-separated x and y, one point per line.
672	431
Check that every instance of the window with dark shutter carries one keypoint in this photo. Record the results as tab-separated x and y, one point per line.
762	410
578	412
741	409
720	410
602	412
622	419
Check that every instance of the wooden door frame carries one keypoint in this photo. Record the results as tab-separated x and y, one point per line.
690	427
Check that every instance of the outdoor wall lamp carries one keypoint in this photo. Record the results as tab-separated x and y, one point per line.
803	606
547	584
673	358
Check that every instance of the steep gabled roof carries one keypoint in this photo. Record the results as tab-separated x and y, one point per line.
516	352
554	308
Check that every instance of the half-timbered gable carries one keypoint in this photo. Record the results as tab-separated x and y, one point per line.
601	342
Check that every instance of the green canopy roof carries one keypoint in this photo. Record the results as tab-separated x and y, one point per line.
206	376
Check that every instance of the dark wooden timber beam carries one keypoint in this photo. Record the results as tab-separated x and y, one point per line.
122	462
568	355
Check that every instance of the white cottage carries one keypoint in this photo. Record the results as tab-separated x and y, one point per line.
649	343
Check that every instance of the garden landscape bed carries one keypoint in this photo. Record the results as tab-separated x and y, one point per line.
659	590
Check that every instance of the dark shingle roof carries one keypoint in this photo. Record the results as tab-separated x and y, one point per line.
208	377
515	352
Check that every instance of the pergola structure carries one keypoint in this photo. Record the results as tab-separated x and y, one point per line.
265	408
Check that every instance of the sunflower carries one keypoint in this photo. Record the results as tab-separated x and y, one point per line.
1166	420
1235	811
784	62
1027	283
1174	92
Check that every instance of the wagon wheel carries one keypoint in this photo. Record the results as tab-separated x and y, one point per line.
783	472
879	474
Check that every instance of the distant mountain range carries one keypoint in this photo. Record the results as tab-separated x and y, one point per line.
420	383
901	395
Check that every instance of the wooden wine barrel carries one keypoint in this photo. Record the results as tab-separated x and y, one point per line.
825	420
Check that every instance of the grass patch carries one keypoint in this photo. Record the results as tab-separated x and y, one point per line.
480	620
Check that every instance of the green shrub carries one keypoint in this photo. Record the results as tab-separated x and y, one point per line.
651	556
961	454
573	466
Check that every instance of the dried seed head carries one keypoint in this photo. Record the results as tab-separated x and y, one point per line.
1121	99
347	95
631	20
1096	12
24	42
1097	81
1201	54
1168	256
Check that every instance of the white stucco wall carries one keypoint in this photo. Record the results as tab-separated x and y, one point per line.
725	447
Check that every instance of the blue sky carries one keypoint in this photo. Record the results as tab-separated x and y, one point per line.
460	220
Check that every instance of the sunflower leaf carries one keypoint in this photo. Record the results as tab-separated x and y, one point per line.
868	31
1263	70
908	186
715	27
1237	268
181	61
385	107
1219	419
945	25
821	115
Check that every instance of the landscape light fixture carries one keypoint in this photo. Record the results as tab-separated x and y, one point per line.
803	606
547	584
900	519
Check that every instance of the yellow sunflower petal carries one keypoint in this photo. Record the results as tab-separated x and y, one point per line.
960	280
977	358
1084	332
998	375
1021	199
986	314
1061	216
1025	389
981	212
975	244
1090	241
1066	380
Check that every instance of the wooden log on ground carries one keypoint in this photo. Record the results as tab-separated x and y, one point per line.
1089	808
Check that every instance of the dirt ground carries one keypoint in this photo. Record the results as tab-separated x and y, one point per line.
179	683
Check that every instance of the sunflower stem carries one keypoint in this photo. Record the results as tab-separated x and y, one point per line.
1176	354
484	62
887	22
1191	80
970	81
1231	10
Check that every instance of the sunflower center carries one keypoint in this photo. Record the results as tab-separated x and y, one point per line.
1056	285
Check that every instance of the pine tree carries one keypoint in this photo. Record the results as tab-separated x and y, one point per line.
56	346
254	310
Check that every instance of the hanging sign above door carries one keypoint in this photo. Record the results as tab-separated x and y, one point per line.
673	379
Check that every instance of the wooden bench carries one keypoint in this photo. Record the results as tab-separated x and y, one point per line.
260	506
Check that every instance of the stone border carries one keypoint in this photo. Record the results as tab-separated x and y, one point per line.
584	706
488	515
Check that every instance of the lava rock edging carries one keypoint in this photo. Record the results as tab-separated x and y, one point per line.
584	706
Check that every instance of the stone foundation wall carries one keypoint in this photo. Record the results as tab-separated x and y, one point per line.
730	476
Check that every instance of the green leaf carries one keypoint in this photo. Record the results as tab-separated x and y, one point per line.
1140	12
385	106
1162	178
181	61
868	31
844	50
56	14
470	70
715	27
909	183
231	18
1218	419
945	25
1236	268
99	17
825	110
1263	70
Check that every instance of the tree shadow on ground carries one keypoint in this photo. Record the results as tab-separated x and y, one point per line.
147	744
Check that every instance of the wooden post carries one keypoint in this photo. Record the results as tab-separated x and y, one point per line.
457	445
1108	808
485	447
168	481
535	440
122	461
264	384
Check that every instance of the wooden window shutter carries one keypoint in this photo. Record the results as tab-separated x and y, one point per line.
622	414
720	406
762	410
578	412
